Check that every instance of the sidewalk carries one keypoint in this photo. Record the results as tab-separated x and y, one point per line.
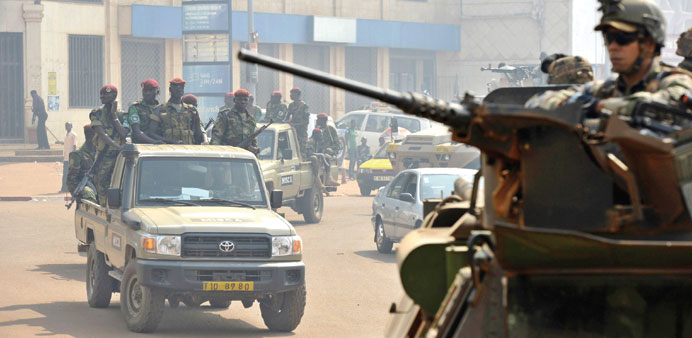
40	180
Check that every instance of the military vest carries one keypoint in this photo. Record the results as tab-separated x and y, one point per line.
177	125
99	117
237	126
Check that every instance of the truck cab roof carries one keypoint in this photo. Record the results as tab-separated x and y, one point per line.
188	150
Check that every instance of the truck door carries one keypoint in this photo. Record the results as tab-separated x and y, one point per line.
116	230
289	171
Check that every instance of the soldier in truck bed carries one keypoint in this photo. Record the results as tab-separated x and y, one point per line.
634	33
80	163
175	121
299	117
140	112
685	50
233	125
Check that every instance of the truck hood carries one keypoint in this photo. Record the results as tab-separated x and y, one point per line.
186	219
377	163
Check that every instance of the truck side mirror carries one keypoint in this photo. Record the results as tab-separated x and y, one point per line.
113	198
406	197
276	199
287	153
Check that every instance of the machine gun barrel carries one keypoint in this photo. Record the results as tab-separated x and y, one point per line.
452	114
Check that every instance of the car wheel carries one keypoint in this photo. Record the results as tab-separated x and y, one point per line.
284	311
313	204
142	306
99	284
384	245
364	189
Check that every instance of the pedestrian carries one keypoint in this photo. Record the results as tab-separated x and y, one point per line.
363	151
69	145
255	110
299	117
276	110
634	34
176	122
39	111
380	140
110	136
234	125
80	163
352	147
140	112
685	49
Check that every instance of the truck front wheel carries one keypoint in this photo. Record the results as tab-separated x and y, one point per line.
142	306
99	284
284	311
313	203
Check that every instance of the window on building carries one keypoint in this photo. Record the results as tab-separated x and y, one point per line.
86	70
140	60
267	79
361	65
316	95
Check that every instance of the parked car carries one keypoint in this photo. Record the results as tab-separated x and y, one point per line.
372	123
398	206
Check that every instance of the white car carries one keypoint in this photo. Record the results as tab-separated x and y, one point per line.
398	206
372	123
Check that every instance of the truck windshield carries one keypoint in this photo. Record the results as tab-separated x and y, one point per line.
194	179
265	142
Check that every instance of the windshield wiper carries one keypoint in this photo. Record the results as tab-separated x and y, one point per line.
221	200
168	200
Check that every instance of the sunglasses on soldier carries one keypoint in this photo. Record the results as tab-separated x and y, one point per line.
620	37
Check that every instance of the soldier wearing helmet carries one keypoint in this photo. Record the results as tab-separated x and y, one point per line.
299	116
570	70
233	125
685	50
634	33
276	110
140	111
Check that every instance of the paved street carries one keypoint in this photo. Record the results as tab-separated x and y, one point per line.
350	286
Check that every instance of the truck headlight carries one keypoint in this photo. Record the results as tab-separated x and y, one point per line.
162	245
286	245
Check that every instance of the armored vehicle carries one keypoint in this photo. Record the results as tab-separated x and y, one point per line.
190	224
432	148
301	179
586	229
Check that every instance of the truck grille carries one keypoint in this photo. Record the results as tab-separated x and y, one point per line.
229	275
245	246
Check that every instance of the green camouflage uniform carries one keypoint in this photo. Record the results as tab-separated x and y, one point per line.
178	123
299	112
330	139
570	70
140	113
662	83
102	176
276	111
80	163
255	111
685	49
232	126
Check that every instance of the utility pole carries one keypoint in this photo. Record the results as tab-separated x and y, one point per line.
252	43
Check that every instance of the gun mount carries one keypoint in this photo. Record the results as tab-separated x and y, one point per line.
576	210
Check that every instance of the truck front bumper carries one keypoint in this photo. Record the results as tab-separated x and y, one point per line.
189	276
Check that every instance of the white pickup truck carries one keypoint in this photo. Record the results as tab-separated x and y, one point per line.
191	224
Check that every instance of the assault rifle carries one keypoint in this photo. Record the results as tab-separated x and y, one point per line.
515	75
86	180
252	136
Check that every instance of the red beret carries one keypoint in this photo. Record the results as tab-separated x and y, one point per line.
316	130
177	81
276	93
150	84
190	99
108	88
241	93
322	116
229	94
295	89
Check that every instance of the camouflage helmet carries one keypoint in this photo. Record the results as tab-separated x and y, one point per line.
685	44
629	15
571	70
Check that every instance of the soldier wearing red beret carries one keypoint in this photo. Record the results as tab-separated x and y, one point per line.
190	99
233	125
110	136
299	117
276	110
175	121
140	112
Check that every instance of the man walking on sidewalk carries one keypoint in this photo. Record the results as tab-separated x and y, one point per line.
69	146
39	109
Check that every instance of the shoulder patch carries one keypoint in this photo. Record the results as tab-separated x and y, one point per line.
134	118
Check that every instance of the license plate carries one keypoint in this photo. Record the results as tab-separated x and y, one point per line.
228	286
383	178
